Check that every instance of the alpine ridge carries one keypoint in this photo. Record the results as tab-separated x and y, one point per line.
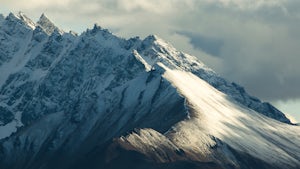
99	101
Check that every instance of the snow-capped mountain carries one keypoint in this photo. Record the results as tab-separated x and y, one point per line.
95	100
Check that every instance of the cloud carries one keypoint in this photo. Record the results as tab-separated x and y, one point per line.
254	43
258	52
35	4
291	108
210	45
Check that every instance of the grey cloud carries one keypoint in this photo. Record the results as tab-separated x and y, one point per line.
210	45
265	69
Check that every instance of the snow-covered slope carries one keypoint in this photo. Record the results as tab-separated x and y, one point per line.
69	101
216	122
218	115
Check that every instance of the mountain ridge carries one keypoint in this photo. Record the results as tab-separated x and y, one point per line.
98	95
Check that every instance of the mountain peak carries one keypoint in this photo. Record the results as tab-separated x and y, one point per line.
21	17
152	39
157	41
27	20
12	17
47	25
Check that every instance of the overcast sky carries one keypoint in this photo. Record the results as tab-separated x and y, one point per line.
255	43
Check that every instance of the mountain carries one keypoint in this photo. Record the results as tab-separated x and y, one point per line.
98	101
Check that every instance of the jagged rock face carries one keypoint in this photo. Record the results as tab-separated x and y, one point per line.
82	89
69	101
47	25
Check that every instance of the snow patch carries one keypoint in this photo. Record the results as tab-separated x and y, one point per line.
8	129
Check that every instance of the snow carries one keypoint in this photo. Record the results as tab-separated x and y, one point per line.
18	60
38	74
18	117
138	57
152	143
215	114
26	20
8	129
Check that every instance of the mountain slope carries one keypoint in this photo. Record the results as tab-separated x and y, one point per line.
92	100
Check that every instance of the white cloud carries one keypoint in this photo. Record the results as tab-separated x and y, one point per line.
291	108
156	6
34	4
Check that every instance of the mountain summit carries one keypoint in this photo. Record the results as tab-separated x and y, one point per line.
47	25
98	101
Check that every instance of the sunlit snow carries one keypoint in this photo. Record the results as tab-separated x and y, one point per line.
215	114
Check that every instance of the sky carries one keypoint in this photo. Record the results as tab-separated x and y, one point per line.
252	42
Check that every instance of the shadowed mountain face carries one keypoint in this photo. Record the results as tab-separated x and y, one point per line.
99	101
